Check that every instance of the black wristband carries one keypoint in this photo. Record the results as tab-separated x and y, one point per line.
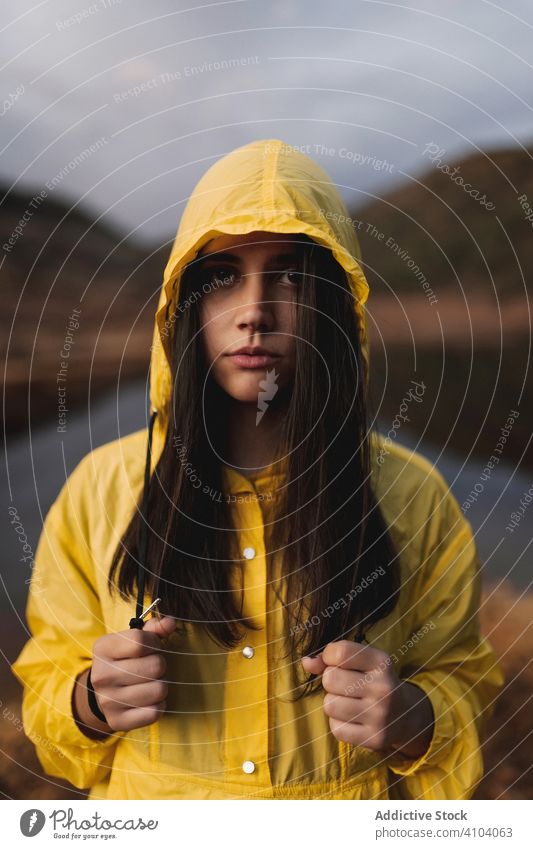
93	704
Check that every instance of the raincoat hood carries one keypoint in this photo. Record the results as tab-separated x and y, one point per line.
264	185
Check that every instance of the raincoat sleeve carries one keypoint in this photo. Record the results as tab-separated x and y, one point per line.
64	616
448	658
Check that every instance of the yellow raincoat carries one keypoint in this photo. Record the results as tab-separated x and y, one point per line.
229	732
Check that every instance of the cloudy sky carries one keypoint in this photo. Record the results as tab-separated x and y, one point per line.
161	90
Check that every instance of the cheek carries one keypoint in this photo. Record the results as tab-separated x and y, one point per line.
210	332
286	321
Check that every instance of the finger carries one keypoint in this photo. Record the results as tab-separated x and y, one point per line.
139	717
313	665
162	627
135	643
136	670
345	709
358	734
350	655
345	682
137	695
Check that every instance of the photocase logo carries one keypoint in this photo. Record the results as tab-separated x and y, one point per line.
31	822
269	387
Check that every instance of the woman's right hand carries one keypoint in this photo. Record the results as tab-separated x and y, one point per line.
127	672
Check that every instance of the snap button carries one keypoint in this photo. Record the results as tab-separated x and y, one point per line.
248	766
248	651
249	553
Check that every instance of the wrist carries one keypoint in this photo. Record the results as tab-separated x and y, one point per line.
415	725
91	726
93	701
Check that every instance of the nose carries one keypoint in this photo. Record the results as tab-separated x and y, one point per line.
255	310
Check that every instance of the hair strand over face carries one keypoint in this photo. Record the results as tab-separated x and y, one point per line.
325	530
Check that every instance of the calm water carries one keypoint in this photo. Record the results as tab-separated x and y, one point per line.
38	464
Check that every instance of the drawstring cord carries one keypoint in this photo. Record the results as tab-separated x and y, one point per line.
138	620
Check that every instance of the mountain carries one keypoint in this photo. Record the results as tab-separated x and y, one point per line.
450	305
71	286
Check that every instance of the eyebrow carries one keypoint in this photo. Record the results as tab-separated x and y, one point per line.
228	256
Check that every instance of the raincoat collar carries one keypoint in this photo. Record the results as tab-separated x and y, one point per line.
268	480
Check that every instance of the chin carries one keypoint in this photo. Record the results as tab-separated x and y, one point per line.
246	391
246	387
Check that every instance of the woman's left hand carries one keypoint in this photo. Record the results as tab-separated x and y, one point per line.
367	703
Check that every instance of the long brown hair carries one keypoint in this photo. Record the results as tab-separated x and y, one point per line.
325	519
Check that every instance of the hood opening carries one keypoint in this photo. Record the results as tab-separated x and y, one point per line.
265	185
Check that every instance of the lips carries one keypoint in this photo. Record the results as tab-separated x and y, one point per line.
253	361
249	357
254	350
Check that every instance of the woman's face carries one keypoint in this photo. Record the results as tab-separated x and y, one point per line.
248	285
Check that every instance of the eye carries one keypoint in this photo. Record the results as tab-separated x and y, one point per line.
219	277
291	277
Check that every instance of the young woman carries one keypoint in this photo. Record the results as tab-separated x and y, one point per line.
317	633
